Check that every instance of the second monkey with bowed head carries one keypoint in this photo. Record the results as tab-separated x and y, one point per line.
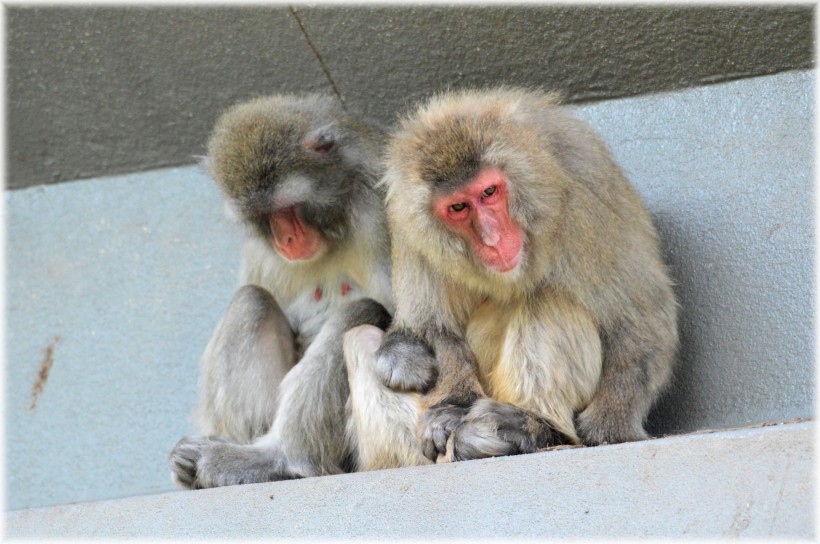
532	304
300	175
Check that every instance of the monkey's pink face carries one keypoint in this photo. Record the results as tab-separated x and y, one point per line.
291	237
479	213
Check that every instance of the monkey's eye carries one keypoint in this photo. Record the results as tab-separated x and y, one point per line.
489	191
458	207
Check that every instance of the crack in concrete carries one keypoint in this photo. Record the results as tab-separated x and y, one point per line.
318	56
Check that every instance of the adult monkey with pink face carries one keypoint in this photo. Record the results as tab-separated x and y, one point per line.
528	265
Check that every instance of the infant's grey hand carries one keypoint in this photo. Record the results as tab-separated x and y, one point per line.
405	363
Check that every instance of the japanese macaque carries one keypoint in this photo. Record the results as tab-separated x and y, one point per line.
532	304
301	175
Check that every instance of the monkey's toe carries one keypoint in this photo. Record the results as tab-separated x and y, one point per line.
183	460
596	426
186	458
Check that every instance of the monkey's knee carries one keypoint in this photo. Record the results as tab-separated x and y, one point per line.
244	362
253	305
253	320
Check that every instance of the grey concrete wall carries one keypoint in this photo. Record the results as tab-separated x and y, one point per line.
113	286
751	483
103	90
728	174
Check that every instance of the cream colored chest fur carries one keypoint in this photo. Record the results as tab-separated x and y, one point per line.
543	356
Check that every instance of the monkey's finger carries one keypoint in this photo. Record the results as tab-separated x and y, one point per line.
428	448
437	425
447	456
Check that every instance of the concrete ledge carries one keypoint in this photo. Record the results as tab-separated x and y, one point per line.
747	482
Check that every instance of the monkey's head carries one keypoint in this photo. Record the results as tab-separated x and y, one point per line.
471	184
292	168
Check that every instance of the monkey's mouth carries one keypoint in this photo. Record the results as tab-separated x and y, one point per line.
498	262
291	237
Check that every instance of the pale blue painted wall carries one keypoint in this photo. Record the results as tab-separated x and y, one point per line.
132	273
125	278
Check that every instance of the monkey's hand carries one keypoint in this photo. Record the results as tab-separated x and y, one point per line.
199	462
436	427
493	428
405	363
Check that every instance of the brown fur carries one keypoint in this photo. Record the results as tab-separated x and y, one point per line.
583	332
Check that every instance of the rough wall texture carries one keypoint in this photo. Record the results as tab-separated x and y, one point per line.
727	173
115	284
105	90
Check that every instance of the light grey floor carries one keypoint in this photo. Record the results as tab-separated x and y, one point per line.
751	483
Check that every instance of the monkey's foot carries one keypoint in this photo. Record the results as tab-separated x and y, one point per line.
493	428
199	462
437	425
599	424
405	363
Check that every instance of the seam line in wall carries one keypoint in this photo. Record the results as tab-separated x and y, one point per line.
318	56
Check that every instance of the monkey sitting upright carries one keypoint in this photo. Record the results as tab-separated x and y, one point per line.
532	305
300	174
528	265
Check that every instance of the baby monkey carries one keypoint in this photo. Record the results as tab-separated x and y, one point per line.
532	304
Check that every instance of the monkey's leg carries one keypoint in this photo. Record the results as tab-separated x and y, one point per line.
246	359
542	363
383	422
634	371
308	436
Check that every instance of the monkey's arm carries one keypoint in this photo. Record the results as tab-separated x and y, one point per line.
425	350
437	362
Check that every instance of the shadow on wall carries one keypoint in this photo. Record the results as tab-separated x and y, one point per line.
668	416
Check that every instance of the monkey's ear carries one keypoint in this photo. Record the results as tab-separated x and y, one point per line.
321	140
